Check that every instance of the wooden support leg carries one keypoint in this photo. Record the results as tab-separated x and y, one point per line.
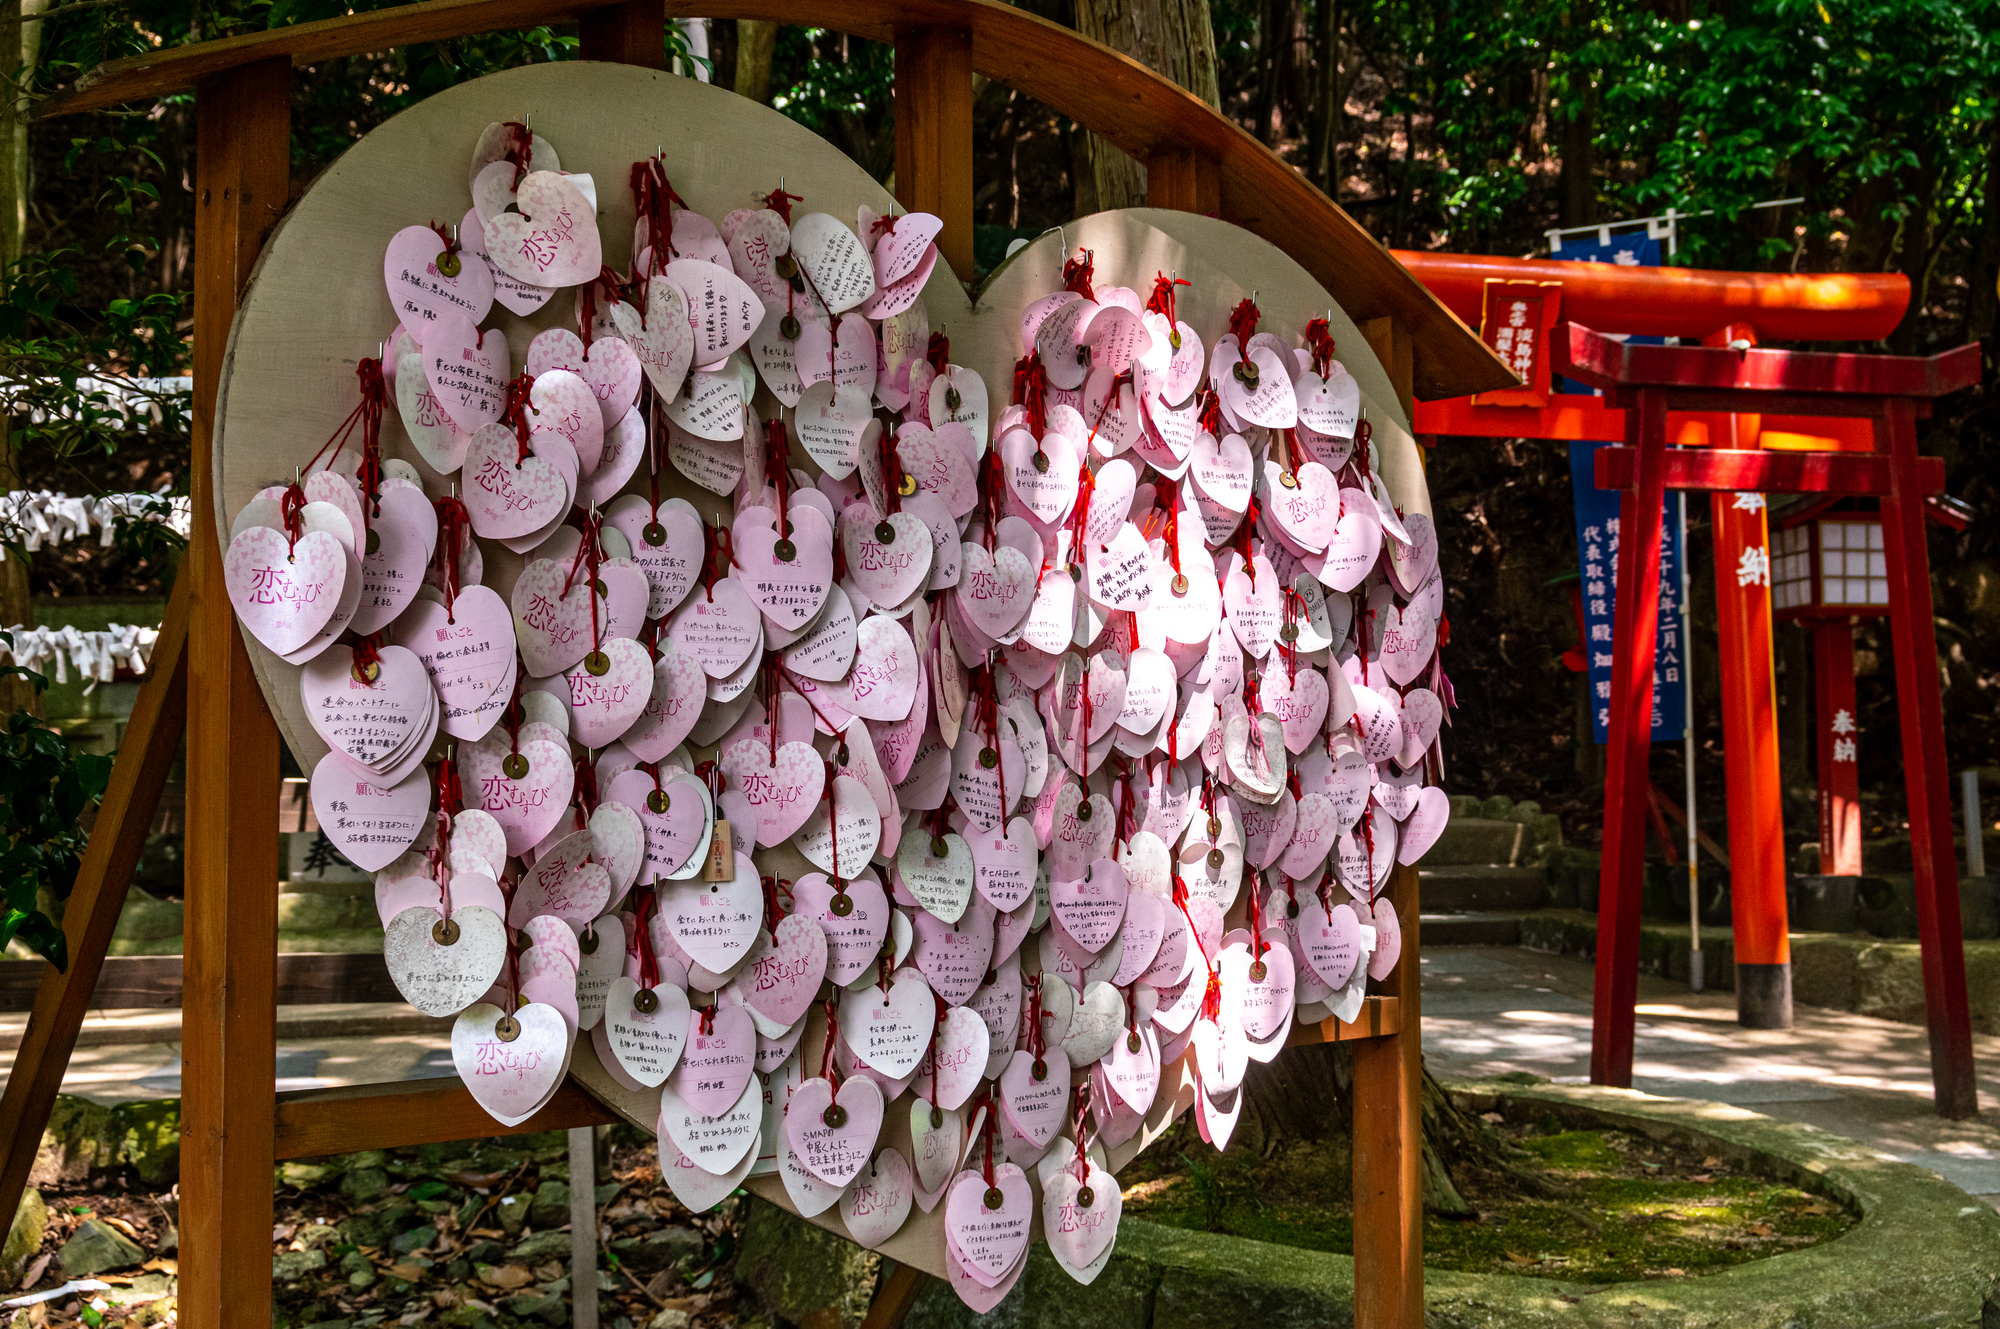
229	1052
1389	1145
894	1298
1634	632
152	738
1921	710
1186	181
934	135
1839	742
629	34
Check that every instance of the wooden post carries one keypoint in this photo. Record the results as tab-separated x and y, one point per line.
1635	628
1184	180
1389	1144
1839	771
152	738
229	1052
1921	710
629	34
934	135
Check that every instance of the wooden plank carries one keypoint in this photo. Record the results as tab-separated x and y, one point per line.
894	1298
1634	630
1390	340
1129	105
934	135
1736	470
1925	776
1596	359
1184	180
59	1000
133	982
1378	1017
634	33
229	1056
315	1122
1388	1141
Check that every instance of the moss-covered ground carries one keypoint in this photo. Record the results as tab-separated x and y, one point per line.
1596	1206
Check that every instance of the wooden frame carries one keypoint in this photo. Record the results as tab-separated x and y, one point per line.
235	1127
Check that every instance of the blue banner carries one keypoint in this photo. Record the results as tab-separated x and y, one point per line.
1597	561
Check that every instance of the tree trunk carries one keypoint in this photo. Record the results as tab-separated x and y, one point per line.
1171	36
755	44
20	48
1328	92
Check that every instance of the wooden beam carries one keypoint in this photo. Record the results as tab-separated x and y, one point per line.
1389	1141
894	1298
1738	471
136	982
229	1052
1185	181
934	135
1378	1017
1393	345
59	1000
1136	109
1593	358
633	33
315	1122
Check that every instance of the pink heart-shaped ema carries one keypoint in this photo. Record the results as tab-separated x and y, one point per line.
1091	908
552	239
679	690
1267	399
508	495
673	813
1034	1091
647	1044
1080	831
720	627
882	685
831	423
402	535
527	806
1355	544
789	590
1255	601
832	1135
755	246
1314	830
436	978
1299	703
439	440
716	922
1265	990
510	1076
603	705
1307	508
1222	469
989	1242
368	824
1409	640
552	616
1005	864
609	367
420	291
1267	830
888	571
838	266
371	724
995	590
1080	1214
783	973
561	404
855	921
875	1206
1332	405
1331	941
284	593
666	544
661	338
843	353
717	1060
1424	825
1140	935
1043	474
1388	940
957	1063
781	793
953	957
722	310
1411	562
1381	723
467	370
1397	790
939	467
1422	715
1364	856
890	1031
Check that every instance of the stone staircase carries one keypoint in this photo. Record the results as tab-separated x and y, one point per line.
1486	872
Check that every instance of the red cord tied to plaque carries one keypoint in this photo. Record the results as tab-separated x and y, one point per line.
291	511
589	555
454	527
1079	1115
367	417
986	719
1123	379
897	483
515	413
1257	943
612	288
654	197
1077	273
1166	303
1240	542
1243	326
645	901
520	149
583	796
1288	634
777	471
937	353
1363	432
1037	1038
774	889
1031	392
780	202
1208	415
367	666
715	558
1319	342
1211	997
835	1115
993	484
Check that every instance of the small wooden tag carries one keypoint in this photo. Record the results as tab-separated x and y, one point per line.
721	860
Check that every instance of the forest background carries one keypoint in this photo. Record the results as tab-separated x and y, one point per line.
1438	125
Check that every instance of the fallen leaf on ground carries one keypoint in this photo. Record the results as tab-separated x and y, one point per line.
1519	1258
35	1270
1760	1229
1703	1177
508	1276
1711	1162
166	1266
409	1273
490	1233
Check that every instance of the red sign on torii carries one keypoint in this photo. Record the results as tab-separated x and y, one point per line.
1889	393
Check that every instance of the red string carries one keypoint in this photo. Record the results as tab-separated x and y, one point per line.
649	965
1243	325
1077	273
445	238
1319	339
589	553
892	472
584	795
1163	300
516	412
1036	1038
1209	413
454	524
780	202
774	913
938	352
520	149
653	195
827	1070
367	652
291	510
1031	392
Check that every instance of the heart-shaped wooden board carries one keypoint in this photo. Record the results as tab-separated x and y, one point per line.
289	379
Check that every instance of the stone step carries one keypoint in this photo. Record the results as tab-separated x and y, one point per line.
1453	889
1475	841
1471	930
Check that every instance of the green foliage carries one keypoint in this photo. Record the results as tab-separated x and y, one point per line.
44	788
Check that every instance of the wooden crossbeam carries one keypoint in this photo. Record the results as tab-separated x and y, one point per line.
316	1122
1739	471
1591	357
125	816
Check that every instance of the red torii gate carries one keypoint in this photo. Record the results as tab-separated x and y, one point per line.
1891	393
